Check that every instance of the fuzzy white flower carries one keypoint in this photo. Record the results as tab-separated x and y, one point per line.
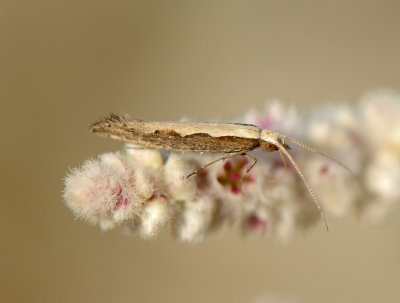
178	186
382	176
193	220
380	111
107	190
150	158
276	117
153	217
380	118
336	130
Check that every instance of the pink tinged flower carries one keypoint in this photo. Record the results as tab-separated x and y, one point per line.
255	223
105	191
267	122
122	201
274	116
234	175
338	191
83	191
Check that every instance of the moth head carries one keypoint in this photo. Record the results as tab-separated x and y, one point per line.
268	139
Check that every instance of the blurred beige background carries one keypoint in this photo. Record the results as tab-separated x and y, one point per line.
64	63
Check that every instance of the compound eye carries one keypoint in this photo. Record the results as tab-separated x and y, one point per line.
273	147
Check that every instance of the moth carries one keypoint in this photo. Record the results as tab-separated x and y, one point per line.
231	139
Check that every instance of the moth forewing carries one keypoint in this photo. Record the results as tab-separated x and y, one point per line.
180	136
213	129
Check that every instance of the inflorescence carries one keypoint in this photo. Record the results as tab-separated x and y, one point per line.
143	190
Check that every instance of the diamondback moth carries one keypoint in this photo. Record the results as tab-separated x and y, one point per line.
214	137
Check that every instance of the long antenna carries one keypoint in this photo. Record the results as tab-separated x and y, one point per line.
289	156
311	149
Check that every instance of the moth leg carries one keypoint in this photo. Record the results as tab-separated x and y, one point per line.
215	161
252	164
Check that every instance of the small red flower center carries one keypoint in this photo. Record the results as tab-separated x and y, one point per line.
234	174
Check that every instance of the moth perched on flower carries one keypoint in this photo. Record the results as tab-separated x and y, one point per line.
232	139
143	189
